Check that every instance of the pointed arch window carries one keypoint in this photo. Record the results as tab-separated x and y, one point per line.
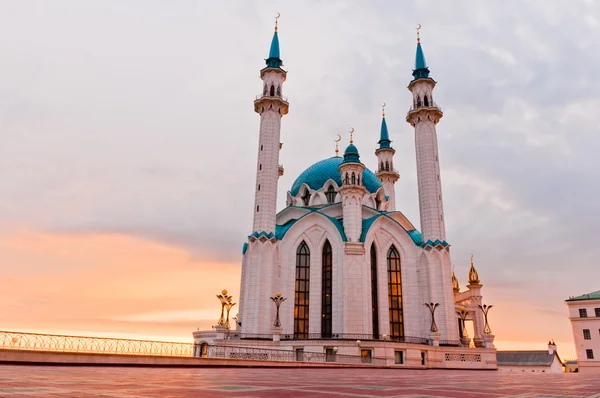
272	92
382	167
353	178
306	198
346	180
265	90
327	283
358	179
426	101
395	294
278	91
302	291
330	194
418	102
374	295
387	166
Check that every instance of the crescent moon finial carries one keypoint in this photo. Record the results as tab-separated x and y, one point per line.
339	138
383	105
351	132
418	28
337	151
276	18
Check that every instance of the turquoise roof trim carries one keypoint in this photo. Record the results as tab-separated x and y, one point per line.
414	234
589	296
384	140
244	248
421	70
274	60
317	175
281	230
262	233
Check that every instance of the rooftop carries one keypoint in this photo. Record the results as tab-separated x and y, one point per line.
590	296
525	358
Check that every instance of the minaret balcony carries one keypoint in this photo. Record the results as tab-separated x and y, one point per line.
424	111
265	101
419	106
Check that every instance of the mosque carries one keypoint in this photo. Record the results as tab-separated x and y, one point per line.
358	277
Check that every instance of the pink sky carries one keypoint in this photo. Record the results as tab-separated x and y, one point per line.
118	285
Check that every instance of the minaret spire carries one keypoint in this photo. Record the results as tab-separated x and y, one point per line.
385	170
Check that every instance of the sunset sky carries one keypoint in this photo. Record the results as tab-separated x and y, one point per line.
128	145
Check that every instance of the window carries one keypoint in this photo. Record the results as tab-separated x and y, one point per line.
418	102
422	357
346	180
326	291
261	147
257	208
365	356
597	312
387	166
358	179
299	354
377	203
260	166
302	289
426	101
582	313
259	187
265	90
353	178
395	294
306	198
374	306
382	168
278	91
589	353
330	194
272	90
586	334
203	350
399	357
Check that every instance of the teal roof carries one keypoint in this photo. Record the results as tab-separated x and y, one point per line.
351	154
421	70
317	175
414	234
281	230
384	139
589	296
274	60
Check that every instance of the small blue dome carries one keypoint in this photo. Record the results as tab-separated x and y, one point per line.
317	175
351	149
351	154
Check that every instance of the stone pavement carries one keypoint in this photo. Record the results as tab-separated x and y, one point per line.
124	382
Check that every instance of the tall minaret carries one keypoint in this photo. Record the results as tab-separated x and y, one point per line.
352	192
271	106
260	278
423	116
385	159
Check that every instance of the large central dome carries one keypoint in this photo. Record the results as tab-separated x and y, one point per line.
317	175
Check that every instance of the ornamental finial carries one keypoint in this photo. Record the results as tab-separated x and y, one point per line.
383	109
418	38
455	284
337	151
473	276
276	18
351	132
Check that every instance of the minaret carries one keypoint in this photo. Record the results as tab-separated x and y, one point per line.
352	192
271	106
259	277
385	159
423	116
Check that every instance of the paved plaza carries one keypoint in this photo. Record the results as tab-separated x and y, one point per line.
57	381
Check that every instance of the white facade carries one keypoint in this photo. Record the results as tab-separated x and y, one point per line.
351	266
584	314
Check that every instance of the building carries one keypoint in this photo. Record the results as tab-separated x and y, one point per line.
584	314
358	275
544	361
571	366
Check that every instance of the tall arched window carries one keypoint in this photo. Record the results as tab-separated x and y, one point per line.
272	90
330	194
346	180
426	101
278	91
326	291
306	198
302	291
382	168
395	294
374	304
353	178
265	90
358	179
387	166
418	102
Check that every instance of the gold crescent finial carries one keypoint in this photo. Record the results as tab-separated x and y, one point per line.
276	18
337	151
351	132
418	38
383	109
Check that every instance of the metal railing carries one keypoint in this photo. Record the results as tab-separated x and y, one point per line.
260	354
281	97
95	345
339	336
430	105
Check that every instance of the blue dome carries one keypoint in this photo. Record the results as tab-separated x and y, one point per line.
317	175
351	149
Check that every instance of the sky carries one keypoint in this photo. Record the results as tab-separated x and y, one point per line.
128	146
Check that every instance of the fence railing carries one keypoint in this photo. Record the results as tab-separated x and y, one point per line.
339	336
260	354
96	345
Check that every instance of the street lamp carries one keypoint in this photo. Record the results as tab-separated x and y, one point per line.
225	300
278	299
485	309
432	307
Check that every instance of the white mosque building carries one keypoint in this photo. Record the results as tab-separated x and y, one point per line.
356	273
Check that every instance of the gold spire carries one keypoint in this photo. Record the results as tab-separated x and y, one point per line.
455	284
418	38
383	109
351	132
473	276
276	18
337	151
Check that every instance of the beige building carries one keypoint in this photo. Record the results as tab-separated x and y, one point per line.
584	314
